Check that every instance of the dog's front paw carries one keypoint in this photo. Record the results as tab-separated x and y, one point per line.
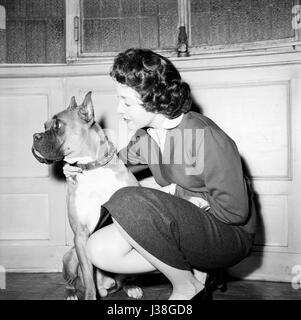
105	284
72	297
133	291
71	293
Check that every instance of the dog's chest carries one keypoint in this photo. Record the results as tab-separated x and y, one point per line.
94	188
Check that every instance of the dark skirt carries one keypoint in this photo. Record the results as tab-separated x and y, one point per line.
176	231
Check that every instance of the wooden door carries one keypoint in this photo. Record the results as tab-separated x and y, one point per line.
32	195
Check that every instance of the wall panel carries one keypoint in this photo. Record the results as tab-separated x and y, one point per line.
24	217
257	117
20	116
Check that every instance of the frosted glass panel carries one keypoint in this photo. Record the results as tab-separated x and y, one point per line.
168	34
129	32
35	41
149	38
55	48
35	31
149	7
219	22
16	46
129	8
111	26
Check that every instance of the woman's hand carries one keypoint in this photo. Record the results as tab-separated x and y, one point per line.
200	202
171	188
71	172
192	197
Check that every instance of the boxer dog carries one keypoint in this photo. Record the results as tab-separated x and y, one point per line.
73	136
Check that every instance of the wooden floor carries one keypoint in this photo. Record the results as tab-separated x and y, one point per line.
50	286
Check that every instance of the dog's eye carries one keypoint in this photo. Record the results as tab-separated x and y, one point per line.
57	125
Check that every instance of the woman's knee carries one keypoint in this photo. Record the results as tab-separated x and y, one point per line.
106	245
126	194
96	248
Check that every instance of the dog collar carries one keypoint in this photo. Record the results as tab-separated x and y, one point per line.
101	162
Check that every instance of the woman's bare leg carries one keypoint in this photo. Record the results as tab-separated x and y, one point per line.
109	251
185	285
201	276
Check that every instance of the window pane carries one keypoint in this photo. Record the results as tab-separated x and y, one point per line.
149	32
168	7
168	24
240	25
35	41
281	20
149	7
168	32
261	18
16	41
91	9
2	46
91	35
218	22
109	8
128	23
55	37
130	36
109	35
129	8
35	31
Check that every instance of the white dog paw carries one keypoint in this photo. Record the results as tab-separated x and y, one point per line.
133	291
108	283
102	292
72	297
104	284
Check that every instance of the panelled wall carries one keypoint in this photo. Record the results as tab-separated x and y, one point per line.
260	109
255	100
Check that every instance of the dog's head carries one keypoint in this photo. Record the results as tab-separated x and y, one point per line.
65	132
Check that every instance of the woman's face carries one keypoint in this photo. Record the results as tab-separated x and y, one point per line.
131	109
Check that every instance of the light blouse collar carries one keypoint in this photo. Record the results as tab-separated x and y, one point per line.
172	123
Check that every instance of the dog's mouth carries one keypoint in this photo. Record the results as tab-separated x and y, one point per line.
41	158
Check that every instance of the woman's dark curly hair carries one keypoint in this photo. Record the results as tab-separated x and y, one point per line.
155	78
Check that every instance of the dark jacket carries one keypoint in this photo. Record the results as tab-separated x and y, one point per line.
201	160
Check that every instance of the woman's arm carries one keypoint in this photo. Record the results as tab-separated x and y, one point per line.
131	154
223	174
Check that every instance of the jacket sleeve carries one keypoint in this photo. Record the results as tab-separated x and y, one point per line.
132	153
224	180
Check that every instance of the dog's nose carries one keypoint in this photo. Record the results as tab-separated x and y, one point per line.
37	136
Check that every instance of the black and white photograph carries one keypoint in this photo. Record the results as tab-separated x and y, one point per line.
150	150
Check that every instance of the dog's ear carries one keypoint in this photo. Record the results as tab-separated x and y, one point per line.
73	104
86	110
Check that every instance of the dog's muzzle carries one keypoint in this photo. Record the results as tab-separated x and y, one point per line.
39	157
43	152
